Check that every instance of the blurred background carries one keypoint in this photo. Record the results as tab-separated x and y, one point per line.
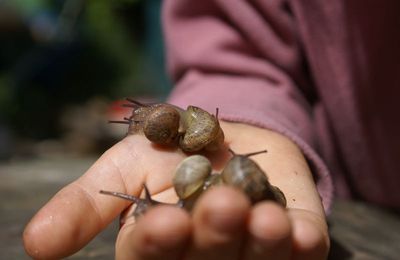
65	68
64	64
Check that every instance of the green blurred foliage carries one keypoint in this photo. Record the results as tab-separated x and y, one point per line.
86	48
107	31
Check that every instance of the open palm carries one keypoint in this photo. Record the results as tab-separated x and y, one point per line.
223	224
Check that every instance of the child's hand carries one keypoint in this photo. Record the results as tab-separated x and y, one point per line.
223	225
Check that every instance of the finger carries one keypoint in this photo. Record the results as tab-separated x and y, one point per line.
310	235
269	233
219	221
78	212
162	233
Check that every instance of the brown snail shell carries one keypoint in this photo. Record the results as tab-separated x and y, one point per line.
162	124
246	175
217	142
190	175
201	129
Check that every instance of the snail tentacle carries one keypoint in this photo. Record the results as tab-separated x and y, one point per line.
137	103
132	198
119	122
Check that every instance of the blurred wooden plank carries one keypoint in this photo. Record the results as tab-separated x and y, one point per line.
25	186
363	231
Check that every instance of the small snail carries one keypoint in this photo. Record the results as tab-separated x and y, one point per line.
190	175
192	129
189	179
202	130
142	205
245	174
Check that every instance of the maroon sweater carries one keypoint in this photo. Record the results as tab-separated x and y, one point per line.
324	73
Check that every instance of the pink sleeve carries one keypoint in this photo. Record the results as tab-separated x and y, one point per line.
243	57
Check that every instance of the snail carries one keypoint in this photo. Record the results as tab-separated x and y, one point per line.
246	175
192	129
142	205
202	130
190	179
190	175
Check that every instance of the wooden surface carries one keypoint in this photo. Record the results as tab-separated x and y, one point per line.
362	231
358	230
25	186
